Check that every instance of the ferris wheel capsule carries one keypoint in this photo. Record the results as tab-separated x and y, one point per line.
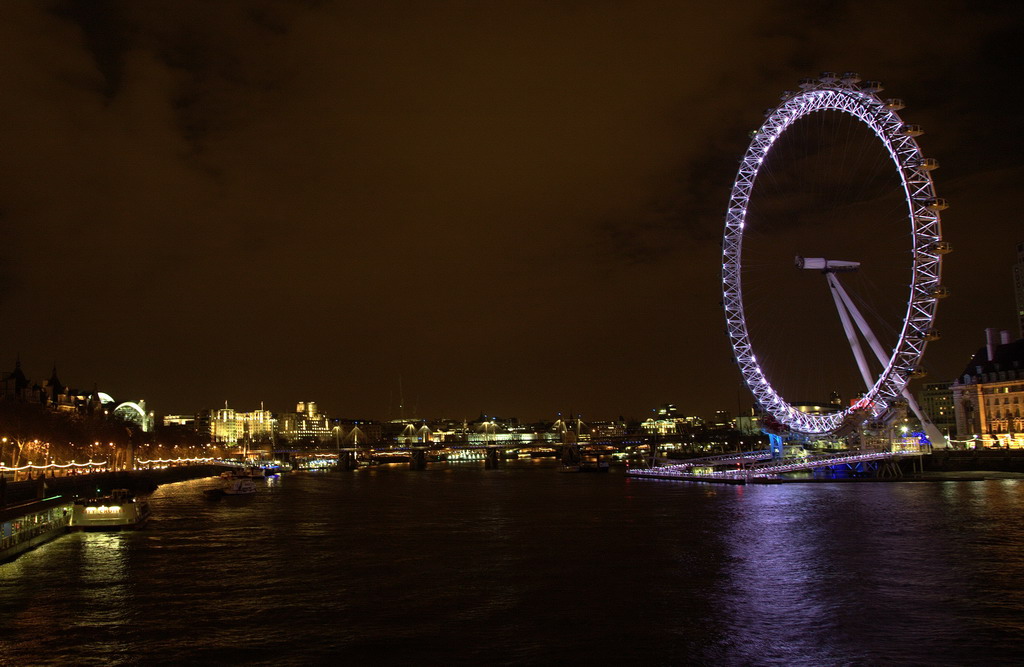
872	87
895	104
911	130
828	77
850	78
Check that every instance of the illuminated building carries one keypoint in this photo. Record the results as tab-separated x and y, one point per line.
179	420
52	394
607	429
306	423
230	426
722	419
988	397
936	400
667	411
256	425
749	424
224	425
670	422
135	413
307	409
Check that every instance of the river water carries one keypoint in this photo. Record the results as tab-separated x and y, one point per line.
461	565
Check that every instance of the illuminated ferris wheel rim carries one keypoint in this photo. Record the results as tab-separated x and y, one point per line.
843	94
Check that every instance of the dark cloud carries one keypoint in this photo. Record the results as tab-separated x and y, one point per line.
513	206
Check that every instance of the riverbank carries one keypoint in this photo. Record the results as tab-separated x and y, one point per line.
136	481
975	460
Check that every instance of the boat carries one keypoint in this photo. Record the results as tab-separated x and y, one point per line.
252	472
118	511
27	525
243	486
587	465
237	486
595	465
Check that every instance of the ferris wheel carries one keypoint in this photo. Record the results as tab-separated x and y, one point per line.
920	208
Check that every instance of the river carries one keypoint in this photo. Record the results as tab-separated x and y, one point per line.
461	565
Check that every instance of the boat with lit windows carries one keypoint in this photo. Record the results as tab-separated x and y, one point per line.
121	510
27	525
237	486
252	472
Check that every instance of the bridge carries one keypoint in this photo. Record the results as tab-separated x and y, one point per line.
418	454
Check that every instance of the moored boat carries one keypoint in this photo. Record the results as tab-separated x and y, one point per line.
252	472
119	511
27	525
237	486
242	486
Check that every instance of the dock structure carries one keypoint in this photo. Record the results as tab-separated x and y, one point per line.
27	525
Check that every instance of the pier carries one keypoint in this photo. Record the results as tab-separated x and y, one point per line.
761	467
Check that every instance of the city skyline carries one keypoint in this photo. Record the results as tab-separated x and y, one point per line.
504	208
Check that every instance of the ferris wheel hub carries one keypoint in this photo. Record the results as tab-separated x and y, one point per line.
826	265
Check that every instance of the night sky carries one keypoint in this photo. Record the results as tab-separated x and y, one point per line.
503	207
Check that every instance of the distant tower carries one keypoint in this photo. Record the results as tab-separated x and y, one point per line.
1018	287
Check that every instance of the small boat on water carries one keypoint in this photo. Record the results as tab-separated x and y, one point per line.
237	486
587	465
251	472
119	511
242	486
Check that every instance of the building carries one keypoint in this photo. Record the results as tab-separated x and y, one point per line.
256	426
936	401
603	430
722	419
228	426
988	397
749	424
224	425
306	424
135	413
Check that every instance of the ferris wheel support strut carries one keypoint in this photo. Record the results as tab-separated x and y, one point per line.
847	309
851	335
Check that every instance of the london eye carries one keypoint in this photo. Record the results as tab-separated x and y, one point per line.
871	235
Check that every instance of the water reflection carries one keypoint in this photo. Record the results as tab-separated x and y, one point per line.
842	574
523	564
104	592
